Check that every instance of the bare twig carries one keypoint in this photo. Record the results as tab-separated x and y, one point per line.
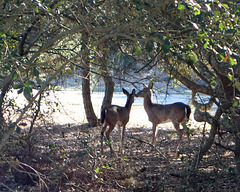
7	187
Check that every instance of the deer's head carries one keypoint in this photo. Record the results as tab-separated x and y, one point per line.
130	96
146	91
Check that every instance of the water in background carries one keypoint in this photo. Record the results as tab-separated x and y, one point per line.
71	109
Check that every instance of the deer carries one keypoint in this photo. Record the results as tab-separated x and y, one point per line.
177	113
113	115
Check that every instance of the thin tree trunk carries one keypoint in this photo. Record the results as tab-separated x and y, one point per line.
109	89
209	141
86	93
236	120
107	78
36	113
4	91
91	117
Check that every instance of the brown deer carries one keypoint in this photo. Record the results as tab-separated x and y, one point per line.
113	115
177	113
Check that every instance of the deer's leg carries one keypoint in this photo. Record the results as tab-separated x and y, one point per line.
102	135
177	127
122	139
120	136
111	127
154	128
186	129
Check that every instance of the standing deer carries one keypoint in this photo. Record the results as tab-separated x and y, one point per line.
113	115
177	113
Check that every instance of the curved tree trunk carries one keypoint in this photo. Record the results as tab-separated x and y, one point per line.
109	89
4	91
86	93
207	144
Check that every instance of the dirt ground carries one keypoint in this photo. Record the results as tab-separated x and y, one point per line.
66	156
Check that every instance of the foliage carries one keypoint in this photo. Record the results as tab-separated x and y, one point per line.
196	42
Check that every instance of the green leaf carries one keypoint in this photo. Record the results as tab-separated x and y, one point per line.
181	6
149	46
105	167
202	34
221	26
232	61
51	146
216	14
212	81
15	75
206	44
97	170
196	11
1	40
28	83
20	91
27	93
193	57
236	103
69	70
237	85
35	72
225	5
137	50
2	32
17	86
166	46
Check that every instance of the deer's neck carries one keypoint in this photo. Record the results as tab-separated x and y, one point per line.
147	102
128	104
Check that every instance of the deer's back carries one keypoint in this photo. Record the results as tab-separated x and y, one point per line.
167	113
115	114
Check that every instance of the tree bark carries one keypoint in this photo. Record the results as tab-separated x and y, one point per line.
109	89
106	76
86	94
4	91
236	119
209	141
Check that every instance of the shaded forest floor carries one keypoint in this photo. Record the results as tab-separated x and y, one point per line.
67	158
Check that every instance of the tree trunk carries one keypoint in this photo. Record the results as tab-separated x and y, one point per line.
4	91
209	141
109	89
86	94
104	51
236	120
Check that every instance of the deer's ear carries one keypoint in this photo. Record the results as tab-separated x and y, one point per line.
150	86
125	91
